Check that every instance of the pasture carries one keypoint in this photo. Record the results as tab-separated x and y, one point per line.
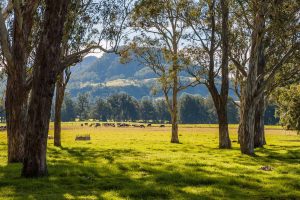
141	163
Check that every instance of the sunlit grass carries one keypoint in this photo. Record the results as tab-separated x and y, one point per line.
137	163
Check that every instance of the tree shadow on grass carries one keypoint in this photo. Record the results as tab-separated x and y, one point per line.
81	177
79	181
81	154
291	156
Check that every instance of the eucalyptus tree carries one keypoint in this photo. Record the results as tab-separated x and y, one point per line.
48	64
271	31
89	26
208	21
45	70
18	40
160	45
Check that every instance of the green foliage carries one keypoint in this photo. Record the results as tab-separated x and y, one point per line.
147	109
123	107
127	163
101	110
82	106
232	112
162	111
2	111
270	114
288	100
68	112
193	110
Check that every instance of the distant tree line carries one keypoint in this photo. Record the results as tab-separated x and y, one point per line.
193	109
2	111
288	99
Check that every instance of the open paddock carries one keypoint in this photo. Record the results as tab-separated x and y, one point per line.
141	163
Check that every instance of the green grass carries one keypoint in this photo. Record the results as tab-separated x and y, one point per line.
135	163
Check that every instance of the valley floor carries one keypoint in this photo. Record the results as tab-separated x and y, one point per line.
141	163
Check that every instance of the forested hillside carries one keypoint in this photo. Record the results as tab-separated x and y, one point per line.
106	75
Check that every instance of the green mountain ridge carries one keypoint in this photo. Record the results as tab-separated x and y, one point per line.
106	75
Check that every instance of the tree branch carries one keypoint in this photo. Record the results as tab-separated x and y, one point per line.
191	84
275	68
7	10
77	57
5	45
239	66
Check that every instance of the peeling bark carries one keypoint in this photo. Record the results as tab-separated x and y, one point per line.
45	73
16	88
251	96
259	129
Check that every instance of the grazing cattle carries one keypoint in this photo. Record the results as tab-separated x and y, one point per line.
92	124
149	125
142	126
50	137
162	126
81	124
86	124
97	125
109	124
122	125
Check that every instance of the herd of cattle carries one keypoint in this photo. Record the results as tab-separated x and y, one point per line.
118	125
3	128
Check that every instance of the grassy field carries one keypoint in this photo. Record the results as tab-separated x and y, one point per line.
137	163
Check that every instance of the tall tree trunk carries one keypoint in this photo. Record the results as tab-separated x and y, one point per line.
219	99
251	98
174	114
60	91
17	91
174	138
45	72
16	111
221	108
259	129
224	140
16	98
246	127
